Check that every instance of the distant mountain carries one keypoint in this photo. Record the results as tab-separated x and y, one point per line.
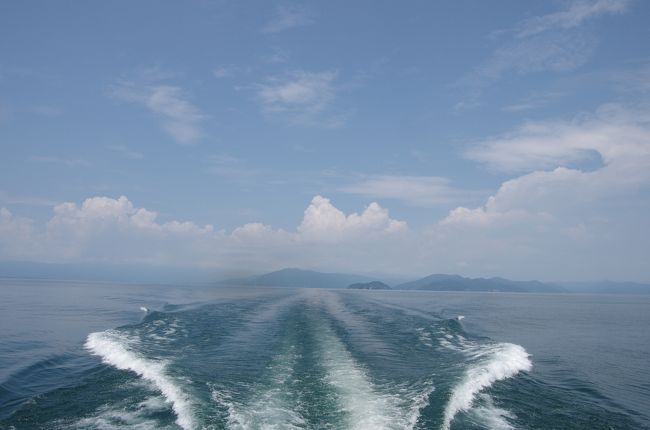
440	282
606	287
373	285
300	279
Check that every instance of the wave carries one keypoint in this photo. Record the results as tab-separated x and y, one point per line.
495	362
114	349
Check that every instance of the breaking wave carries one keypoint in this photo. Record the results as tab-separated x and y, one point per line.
494	363
116	350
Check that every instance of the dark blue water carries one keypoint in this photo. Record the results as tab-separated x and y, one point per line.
85	356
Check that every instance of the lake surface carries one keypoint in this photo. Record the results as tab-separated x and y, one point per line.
77	355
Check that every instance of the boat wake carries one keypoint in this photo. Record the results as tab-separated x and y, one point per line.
490	363
316	376
117	350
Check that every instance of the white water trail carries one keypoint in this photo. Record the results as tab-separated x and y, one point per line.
113	348
366	405
496	362
271	408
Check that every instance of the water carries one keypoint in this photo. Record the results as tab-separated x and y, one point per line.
84	356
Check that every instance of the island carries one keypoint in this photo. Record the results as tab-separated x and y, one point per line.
373	285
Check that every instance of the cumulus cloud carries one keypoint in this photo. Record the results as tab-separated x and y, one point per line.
114	230
556	216
620	138
103	228
323	221
618	135
180	118
565	218
487	215
560	216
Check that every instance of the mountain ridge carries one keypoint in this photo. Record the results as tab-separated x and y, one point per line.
300	278
444	282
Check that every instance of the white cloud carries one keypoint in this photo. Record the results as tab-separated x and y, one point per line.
619	136
553	220
554	42
508	236
562	218
533	101
414	190
621	139
486	215
107	229
577	12
180	118
323	221
558	52
97	213
114	230
300	90
286	18
302	97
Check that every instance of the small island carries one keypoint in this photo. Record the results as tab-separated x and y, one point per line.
373	285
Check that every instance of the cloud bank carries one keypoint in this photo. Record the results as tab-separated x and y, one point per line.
105	229
574	207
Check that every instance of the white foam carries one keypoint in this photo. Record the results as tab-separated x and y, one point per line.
492	417
113	348
419	401
497	362
120	416
367	406
272	406
424	336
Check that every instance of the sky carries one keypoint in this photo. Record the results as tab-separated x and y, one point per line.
506	138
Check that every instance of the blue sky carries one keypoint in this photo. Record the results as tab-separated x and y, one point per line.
505	138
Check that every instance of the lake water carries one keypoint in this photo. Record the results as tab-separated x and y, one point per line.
77	355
